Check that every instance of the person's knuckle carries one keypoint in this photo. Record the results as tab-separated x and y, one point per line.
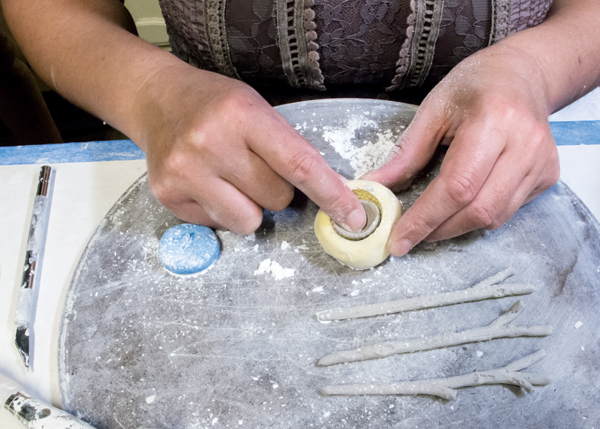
338	203
508	111
283	199
301	166
549	179
462	188
163	180
237	105
483	216
246	225
162	191
420	226
252	224
175	163
539	138
243	222
235	101
500	108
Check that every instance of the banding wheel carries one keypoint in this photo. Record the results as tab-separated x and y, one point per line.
368	247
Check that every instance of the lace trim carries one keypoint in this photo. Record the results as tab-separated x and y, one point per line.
181	17
416	54
527	13
217	37
297	43
500	21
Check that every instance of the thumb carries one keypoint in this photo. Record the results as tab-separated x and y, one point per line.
414	148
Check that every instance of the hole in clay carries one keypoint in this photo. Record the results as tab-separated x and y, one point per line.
373	212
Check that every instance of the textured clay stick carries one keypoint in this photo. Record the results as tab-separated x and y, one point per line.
487	289
490	332
445	387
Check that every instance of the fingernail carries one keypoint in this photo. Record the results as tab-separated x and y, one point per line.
357	219
401	247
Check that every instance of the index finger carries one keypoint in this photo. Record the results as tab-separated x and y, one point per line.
297	161
465	169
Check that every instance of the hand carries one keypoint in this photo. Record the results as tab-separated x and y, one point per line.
217	154
492	112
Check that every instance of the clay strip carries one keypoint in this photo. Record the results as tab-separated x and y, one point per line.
445	387
487	289
500	328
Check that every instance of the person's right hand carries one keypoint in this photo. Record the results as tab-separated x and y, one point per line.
218	153
492	111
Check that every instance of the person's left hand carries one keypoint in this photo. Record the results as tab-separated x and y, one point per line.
492	111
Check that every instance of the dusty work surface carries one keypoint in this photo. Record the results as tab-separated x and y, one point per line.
236	346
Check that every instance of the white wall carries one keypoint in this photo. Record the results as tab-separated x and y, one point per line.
149	21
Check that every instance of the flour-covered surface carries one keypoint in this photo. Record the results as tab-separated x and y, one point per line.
236	346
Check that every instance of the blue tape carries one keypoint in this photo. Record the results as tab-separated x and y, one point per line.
572	133
568	133
112	150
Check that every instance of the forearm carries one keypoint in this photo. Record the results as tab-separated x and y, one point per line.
86	51
565	49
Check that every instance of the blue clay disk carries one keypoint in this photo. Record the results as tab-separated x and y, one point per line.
188	249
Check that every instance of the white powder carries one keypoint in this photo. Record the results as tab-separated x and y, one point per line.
150	399
285	245
273	268
263	267
363	159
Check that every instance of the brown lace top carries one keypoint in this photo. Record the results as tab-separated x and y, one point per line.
313	43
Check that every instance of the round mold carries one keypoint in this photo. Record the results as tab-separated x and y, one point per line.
188	249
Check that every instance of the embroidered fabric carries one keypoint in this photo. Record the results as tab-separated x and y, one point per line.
187	31
217	37
341	41
527	13
470	25
253	40
296	31
416	55
360	39
466	27
274	40
500	20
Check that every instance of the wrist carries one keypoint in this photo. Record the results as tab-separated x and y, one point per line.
525	74
158	97
528	71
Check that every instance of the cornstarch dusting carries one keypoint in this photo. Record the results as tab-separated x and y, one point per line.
276	270
371	154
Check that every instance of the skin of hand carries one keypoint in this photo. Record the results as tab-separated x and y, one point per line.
492	110
501	152
216	151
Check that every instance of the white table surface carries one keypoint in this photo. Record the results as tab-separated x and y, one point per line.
83	193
